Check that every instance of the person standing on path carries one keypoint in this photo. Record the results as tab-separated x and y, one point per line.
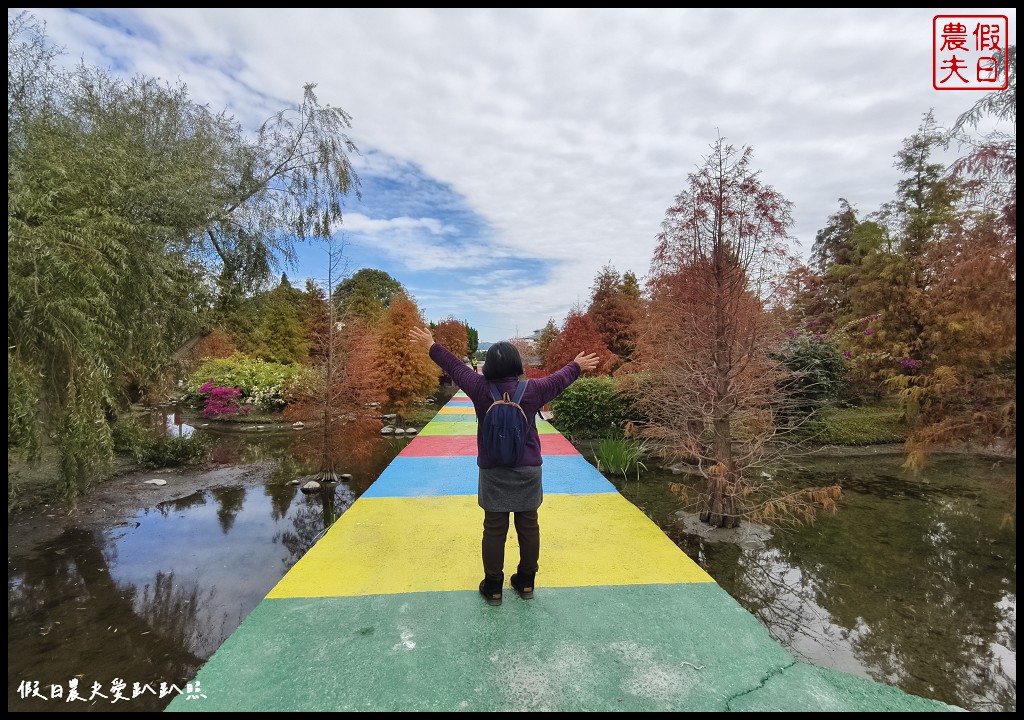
502	490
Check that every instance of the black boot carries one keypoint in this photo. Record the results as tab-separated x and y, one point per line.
523	583
491	590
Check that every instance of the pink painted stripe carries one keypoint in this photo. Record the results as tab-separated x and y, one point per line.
465	445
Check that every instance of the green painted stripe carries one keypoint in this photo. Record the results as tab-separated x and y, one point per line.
633	649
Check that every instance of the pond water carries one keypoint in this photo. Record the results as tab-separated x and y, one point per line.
150	601
912	582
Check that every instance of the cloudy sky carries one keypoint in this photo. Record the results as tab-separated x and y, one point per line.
507	155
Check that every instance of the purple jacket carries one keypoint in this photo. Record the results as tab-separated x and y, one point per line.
538	393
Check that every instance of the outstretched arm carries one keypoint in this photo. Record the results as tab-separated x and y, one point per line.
552	386
456	369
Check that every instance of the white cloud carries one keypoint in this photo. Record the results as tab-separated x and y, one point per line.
359	223
568	132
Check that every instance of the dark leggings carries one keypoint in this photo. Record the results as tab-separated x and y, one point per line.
495	532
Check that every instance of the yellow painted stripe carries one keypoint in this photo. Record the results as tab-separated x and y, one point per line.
456	410
383	546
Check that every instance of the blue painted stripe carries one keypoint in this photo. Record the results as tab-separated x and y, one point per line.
437	476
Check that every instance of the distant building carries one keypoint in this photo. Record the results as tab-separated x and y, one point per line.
528	349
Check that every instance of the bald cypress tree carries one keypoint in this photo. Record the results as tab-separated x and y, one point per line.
408	373
708	380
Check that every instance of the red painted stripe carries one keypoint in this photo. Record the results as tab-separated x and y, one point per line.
440	446
465	445
556	444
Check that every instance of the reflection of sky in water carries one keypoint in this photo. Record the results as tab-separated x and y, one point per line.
813	635
805	627
152	602
176	427
228	552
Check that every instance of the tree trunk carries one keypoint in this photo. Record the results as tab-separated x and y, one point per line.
721	506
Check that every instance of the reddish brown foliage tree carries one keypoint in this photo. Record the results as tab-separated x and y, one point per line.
344	388
452	335
409	374
345	384
341	394
578	335
615	312
967	390
707	380
216	344
546	336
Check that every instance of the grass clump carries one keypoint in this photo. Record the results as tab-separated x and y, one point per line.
620	456
153	449
866	425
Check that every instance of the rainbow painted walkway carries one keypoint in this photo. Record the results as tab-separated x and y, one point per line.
383	613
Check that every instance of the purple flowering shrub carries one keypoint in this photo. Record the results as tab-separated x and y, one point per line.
910	365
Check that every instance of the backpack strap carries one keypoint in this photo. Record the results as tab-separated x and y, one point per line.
520	390
496	396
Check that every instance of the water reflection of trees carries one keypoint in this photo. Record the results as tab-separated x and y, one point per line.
281	495
230	500
189	501
355	448
173	609
68	618
186	613
918	579
246	446
314	516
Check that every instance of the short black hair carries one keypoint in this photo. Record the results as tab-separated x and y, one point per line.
502	360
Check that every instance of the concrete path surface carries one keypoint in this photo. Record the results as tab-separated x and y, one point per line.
384	613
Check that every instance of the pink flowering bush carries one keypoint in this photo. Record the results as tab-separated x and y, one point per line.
219	400
261	385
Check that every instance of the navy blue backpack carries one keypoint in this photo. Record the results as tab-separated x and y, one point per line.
504	427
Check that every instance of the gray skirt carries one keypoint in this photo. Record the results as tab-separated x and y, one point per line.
510	489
